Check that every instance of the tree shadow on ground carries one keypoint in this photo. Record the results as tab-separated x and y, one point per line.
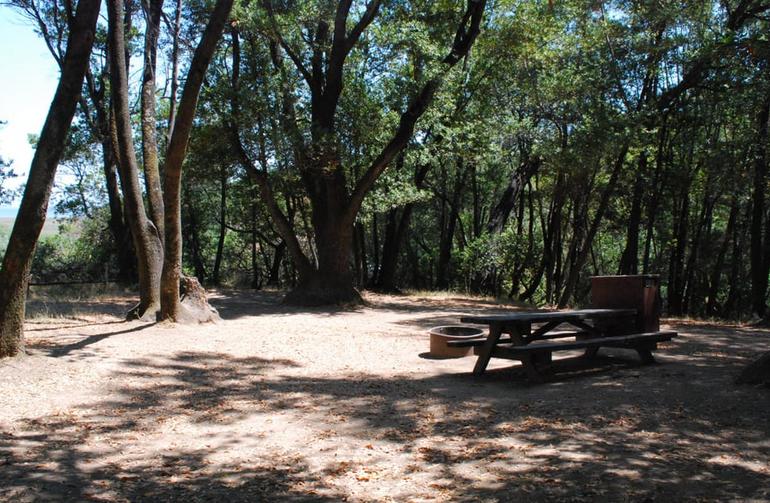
67	457
674	431
233	304
55	467
74	308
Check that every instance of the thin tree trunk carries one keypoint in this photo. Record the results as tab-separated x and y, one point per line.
375	246
222	225
604	202
152	14
676	262
174	71
736	266
119	230
192	232
394	239
714	283
275	270
14	273
695	246
629	260
147	242
255	276
103	129
759	267
510	197
172	259
445	247
654	202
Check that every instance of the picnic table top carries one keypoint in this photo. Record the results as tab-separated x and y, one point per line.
529	316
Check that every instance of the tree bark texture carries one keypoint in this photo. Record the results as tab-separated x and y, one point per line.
147	241
152	14
171	307
14	273
629	260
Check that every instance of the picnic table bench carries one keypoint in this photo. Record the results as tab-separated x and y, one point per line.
534	345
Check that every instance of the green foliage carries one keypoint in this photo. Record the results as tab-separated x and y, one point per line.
6	173
651	104
80	250
5	234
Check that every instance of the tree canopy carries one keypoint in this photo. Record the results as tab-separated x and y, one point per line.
507	148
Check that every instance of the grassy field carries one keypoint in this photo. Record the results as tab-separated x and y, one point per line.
51	226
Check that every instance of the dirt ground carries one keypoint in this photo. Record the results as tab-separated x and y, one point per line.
280	404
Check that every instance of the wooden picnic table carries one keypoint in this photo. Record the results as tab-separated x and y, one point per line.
595	328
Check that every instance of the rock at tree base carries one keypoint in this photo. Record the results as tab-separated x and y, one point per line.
194	305
756	372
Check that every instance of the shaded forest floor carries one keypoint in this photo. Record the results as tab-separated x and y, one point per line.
275	403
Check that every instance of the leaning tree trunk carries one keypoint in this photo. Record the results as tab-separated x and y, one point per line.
14	274
171	306
119	230
153	10
147	242
586	245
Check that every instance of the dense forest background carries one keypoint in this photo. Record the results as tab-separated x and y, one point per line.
575	138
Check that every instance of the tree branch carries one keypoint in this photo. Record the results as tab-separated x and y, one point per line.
466	34
276	35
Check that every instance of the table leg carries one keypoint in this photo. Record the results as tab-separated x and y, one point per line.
645	355
485	352
530	368
520	335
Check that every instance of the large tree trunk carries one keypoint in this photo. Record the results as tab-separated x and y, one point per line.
331	282
147	242
335	208
14	274
171	307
